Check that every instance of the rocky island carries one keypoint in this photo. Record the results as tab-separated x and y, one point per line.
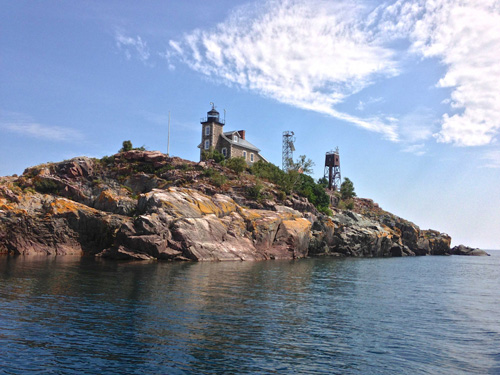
145	205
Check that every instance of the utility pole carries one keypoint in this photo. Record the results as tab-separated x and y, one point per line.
168	139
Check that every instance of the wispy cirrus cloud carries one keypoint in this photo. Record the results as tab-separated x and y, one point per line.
491	159
465	37
416	149
312	55
316	54
132	47
26	126
363	104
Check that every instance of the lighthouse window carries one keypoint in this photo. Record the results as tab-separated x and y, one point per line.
207	130
207	144
251	157
235	138
245	155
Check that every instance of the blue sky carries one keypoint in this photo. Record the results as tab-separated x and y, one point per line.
408	90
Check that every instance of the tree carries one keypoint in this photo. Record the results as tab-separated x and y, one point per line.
323	181
126	146
303	165
347	189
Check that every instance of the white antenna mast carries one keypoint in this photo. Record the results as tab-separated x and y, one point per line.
224	116
168	139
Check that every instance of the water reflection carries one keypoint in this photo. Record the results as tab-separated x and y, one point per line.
82	315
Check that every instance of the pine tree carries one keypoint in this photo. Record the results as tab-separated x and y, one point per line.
347	189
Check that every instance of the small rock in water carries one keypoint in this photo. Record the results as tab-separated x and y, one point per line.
466	250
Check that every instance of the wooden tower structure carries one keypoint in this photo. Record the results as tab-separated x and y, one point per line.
332	169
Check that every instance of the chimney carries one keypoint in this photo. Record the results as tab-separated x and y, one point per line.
242	134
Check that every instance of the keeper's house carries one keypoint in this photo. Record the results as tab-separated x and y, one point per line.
231	144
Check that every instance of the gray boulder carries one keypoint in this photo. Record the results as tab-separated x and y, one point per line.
466	250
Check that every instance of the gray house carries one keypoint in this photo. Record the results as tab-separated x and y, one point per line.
230	144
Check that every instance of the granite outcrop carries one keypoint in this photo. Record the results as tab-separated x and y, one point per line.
146	205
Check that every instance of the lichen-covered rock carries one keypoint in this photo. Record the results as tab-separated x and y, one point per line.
180	223
145	205
351	234
55	226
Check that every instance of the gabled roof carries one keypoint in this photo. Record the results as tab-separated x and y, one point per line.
241	142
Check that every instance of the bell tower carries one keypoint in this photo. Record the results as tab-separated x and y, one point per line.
211	131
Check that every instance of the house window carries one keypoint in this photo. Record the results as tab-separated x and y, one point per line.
251	157
224	152
207	144
245	155
235	138
207	130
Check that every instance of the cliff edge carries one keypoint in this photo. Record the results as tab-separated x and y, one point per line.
146	205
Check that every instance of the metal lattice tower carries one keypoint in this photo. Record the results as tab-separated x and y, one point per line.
332	169
288	149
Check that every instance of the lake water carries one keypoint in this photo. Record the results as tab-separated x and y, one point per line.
420	315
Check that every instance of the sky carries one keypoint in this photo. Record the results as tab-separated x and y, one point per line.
408	90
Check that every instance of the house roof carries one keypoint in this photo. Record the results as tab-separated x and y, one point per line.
241	142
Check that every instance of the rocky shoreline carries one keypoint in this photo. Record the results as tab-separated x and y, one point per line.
144	205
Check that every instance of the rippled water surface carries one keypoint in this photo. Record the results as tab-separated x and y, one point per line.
425	315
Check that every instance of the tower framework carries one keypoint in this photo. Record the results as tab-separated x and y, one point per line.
332	169
287	150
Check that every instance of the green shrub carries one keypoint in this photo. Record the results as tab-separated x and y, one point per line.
164	169
185	167
209	172
293	181
323	181
29	190
218	179
105	160
274	174
255	191
281	195
314	192
144	167
46	186
237	164
212	155
325	210
126	146
347	204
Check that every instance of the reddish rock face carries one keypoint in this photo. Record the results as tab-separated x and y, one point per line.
145	205
192	225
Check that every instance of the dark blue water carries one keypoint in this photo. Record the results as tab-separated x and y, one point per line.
425	315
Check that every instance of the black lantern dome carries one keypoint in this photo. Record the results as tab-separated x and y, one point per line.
213	115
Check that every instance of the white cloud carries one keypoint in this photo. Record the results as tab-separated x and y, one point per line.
492	159
418	125
312	55
414	128
24	125
465	36
417	149
362	104
316	54
131	45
